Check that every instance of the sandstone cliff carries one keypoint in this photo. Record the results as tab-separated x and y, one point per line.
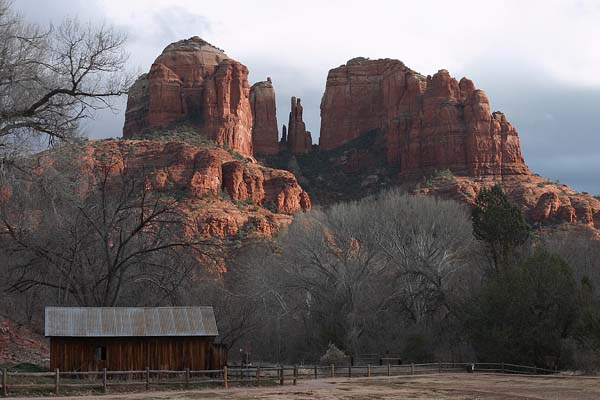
428	123
542	201
195	82
296	139
383	124
220	195
265	137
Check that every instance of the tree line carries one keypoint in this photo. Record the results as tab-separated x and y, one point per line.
424	279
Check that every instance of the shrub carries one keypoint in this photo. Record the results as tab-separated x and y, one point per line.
333	355
444	173
271	206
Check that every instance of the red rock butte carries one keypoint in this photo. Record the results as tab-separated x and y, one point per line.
194	81
265	136
429	123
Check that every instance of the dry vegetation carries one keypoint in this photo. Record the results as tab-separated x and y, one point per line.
441	387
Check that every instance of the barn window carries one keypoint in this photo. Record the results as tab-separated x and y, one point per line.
101	353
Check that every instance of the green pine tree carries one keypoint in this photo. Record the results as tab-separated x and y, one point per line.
499	224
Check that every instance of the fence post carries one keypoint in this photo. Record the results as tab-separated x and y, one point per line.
535	370
295	374
104	380
187	378
225	376
440	368
281	375
56	381
147	373
369	371
5	382
412	368
332	370
316	373
503	368
350	371
258	375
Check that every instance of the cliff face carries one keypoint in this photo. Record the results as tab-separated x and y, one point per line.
383	124
542	201
265	137
195	82
428	123
220	195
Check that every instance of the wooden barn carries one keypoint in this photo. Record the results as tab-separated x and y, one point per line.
131	339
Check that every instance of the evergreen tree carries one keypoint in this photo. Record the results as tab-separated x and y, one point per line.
499	224
524	315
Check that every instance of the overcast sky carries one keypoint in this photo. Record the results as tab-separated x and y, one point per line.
538	61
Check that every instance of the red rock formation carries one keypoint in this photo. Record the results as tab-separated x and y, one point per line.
218	194
542	201
353	102
205	175
195	82
547	207
429	123
265	137
299	140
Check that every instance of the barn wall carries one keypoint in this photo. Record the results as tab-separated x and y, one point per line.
126	354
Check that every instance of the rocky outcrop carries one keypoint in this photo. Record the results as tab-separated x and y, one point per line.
542	201
297	140
265	137
428	123
194	82
220	195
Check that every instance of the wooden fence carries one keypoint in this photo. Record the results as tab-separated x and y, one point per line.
103	380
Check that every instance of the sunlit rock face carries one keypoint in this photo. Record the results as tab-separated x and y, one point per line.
216	192
429	123
441	134
194	82
265	137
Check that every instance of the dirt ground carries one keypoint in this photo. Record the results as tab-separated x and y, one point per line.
438	387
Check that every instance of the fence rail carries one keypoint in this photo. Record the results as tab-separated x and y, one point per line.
102	380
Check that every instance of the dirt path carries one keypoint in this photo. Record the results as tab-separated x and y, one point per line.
438	387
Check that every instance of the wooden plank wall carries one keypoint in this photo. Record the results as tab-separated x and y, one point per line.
136	353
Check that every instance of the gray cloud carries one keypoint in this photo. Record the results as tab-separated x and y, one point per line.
557	124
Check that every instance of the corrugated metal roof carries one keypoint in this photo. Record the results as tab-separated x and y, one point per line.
130	321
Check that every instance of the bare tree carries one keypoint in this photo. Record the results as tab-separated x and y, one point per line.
98	243
428	242
51	79
361	275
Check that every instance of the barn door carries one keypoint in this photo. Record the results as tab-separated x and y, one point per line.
100	357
